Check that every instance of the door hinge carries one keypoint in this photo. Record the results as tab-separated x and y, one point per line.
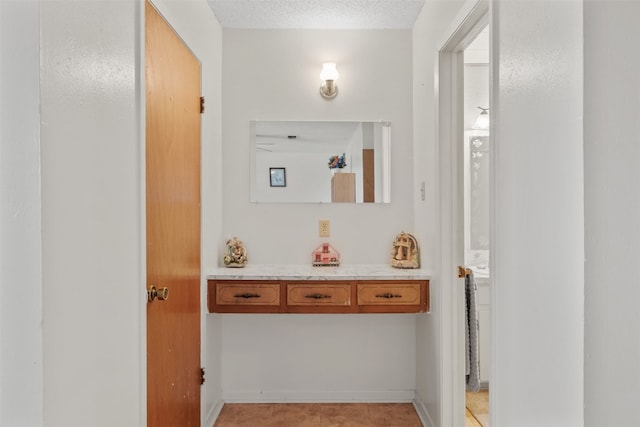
202	376
201	104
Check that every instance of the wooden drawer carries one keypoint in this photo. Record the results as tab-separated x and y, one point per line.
324	294
229	293
389	294
318	296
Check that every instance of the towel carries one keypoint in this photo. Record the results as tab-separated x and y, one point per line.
472	367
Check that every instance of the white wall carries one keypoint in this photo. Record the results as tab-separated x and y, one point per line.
92	243
315	358
274	75
307	177
428	33
538	247
612	209
476	92
20	240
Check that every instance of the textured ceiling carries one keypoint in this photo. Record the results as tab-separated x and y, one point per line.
317	14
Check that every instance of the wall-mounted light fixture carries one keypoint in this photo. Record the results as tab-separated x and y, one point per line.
482	122
329	75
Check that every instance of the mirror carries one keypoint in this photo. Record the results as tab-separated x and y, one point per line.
476	197
300	152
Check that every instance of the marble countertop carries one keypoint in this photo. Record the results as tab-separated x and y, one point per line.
308	272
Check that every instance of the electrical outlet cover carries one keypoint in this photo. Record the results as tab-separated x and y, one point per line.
324	229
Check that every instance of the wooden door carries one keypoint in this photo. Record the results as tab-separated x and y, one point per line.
173	225
368	176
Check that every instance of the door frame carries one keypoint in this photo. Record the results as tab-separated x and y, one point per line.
473	17
142	190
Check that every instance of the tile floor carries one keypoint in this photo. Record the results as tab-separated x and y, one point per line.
318	415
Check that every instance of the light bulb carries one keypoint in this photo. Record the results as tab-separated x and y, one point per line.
482	122
329	71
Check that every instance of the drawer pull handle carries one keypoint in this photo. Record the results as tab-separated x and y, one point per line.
388	295
317	296
247	295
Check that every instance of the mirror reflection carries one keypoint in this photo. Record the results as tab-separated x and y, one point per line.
306	150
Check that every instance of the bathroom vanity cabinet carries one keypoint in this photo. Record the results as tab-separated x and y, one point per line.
301	289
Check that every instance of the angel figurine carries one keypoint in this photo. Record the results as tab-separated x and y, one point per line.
236	254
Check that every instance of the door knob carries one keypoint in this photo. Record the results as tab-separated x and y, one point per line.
161	293
463	271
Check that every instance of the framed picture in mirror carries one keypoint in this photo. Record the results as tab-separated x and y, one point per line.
277	177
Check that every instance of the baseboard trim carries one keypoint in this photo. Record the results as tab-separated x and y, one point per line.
423	413
213	413
315	396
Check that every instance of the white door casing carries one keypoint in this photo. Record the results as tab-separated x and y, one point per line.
473	17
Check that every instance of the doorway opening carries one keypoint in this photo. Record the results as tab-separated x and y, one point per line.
476	224
473	20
